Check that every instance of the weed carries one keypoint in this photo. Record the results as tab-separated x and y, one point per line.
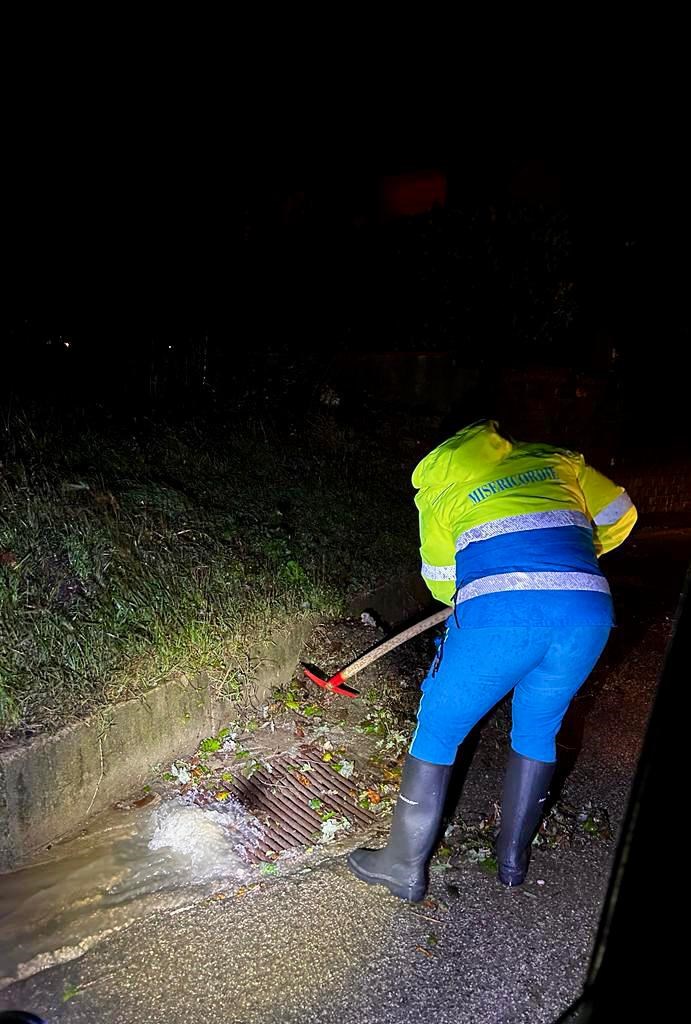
394	737
125	557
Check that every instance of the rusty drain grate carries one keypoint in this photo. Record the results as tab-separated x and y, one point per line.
280	800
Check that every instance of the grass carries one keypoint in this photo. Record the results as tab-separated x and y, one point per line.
126	553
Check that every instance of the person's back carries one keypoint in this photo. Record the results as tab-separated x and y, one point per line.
499	518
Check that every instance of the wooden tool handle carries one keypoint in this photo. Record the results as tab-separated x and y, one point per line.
394	641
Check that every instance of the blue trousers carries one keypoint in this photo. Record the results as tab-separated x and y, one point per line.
543	665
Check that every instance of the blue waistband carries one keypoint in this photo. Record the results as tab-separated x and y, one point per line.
564	549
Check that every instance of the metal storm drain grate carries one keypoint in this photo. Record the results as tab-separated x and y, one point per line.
295	801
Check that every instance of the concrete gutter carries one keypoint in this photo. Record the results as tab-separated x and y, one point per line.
51	785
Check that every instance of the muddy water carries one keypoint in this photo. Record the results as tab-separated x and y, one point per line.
128	864
124	866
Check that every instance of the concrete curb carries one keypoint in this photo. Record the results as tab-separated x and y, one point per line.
51	785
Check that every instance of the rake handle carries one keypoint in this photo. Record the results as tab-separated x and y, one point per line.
394	641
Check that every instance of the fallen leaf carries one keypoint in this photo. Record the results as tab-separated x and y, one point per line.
345	768
70	991
433	904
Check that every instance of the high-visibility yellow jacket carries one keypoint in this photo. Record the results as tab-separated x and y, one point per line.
497	516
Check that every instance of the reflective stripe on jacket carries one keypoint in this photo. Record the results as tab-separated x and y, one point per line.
497	516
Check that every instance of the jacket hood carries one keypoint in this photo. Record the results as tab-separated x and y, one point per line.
466	456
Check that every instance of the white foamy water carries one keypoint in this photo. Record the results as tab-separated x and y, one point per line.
197	839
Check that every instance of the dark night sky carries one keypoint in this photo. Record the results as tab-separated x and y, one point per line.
113	219
115	223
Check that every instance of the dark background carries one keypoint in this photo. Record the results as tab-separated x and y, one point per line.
158	271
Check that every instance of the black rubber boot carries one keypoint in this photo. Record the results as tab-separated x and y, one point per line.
526	787
402	864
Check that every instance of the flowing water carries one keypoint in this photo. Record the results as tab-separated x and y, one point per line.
123	866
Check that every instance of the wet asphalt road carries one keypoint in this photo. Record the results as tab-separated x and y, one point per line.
319	946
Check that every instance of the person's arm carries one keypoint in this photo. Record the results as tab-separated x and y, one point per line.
611	510
438	553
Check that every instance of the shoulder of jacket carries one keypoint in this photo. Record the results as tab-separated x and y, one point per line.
569	456
549	451
433	499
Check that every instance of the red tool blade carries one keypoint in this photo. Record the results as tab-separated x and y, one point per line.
336	684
